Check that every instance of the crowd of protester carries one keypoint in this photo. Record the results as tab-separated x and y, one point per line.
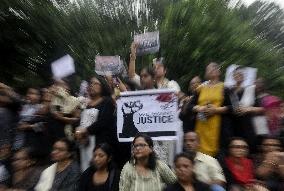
51	140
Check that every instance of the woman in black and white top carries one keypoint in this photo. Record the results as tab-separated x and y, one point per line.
96	119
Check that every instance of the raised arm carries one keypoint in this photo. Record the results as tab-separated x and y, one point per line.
131	67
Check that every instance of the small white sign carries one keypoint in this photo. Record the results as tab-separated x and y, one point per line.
148	43
63	67
108	65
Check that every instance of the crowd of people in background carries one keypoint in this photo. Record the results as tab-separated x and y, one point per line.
51	140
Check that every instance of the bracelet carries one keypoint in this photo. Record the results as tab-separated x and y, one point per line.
270	163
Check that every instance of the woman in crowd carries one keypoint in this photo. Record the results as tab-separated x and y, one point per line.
242	99
26	172
185	176
185	115
238	168
147	78
65	110
31	129
27	119
102	175
270	164
97	119
210	104
64	174
145	172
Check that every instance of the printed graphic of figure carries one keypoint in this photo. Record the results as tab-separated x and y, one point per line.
128	110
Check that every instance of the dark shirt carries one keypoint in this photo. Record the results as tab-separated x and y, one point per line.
198	186
68	179
104	127
87	184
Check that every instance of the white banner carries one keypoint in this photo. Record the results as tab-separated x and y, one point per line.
154	112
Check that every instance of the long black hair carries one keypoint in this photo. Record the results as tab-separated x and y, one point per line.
152	160
106	90
107	149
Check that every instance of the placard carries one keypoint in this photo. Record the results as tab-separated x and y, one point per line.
108	65
63	67
148	43
154	112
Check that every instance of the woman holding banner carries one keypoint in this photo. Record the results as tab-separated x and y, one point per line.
210	104
145	172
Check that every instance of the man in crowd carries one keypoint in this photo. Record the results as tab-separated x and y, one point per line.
206	168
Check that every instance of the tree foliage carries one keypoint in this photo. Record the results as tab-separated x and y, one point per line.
193	32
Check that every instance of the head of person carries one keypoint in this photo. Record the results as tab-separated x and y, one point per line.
63	83
184	163
143	148
24	159
98	86
238	148
259	85
212	71
102	156
191	141
159	67
271	144
33	95
193	84
63	150
238	75
46	95
147	78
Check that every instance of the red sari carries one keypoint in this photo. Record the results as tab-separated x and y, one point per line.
242	172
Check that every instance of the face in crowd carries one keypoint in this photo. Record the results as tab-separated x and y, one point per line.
22	160
142	148
102	156
238	148
184	168
238	76
191	142
193	84
212	71
61	151
271	145
160	70
95	87
147	78
33	95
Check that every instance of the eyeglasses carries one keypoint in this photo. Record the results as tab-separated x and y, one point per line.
20	159
272	145
239	146
59	149
136	146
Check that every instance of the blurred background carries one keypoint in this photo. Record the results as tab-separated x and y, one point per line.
34	33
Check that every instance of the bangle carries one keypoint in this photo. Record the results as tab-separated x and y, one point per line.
269	163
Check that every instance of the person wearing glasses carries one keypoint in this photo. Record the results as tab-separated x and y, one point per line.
238	168
64	174
144	172
26	171
270	163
